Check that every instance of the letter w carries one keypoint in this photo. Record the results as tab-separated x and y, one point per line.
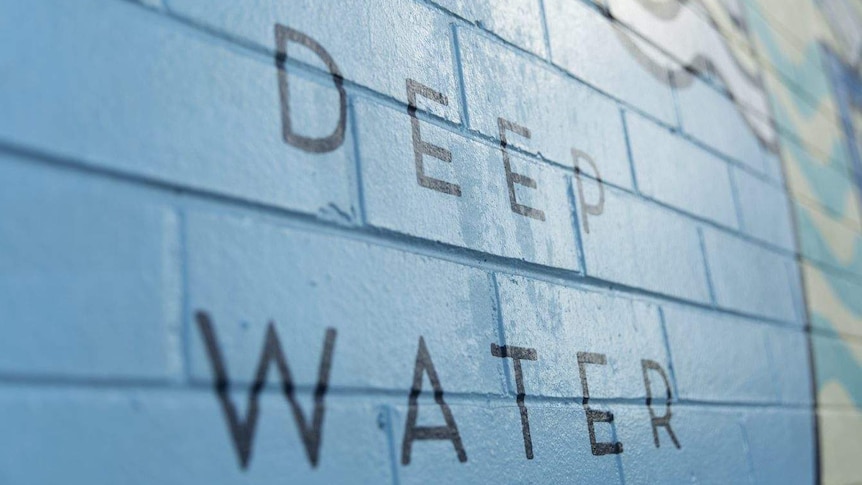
242	430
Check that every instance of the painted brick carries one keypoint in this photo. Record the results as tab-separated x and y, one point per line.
773	167
828	240
764	209
686	36
720	359
639	244
715	119
813	179
801	67
587	45
825	290
493	441
679	173
499	82
517	21
144	176
749	278
535	313
692	35
811	122
409	40
163	102
89	277
797	292
774	437
177	437
713	448
836	364
380	301
790	362
837	453
706	40
481	218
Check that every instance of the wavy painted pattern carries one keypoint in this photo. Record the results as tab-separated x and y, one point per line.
819	175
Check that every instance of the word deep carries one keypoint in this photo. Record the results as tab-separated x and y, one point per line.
421	148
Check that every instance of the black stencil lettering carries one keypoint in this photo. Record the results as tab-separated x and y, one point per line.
594	415
283	35
591	209
413	432
517	354
664	420
513	178
421	147
242	430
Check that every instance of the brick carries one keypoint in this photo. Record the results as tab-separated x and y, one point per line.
409	40
830	298
499	82
813	179
493	441
836	364
144	176
791	364
674	171
706	39
797	291
717	358
749	278
176	437
773	166
785	55
778	443
586	44
838	454
380	301
535	314
163	102
716	120
764	209
811	121
516	21
639	244
693	35
89	277
828	240
686	35
481	218
713	448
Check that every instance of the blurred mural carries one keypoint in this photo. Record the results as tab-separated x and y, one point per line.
793	69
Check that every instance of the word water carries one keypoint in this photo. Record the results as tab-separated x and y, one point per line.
242	430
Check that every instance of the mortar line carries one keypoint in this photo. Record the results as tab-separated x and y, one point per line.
459	72
359	187
576	223
705	258
501	333
737	203
393	449
670	360
546	35
185	306
284	217
631	159
387	396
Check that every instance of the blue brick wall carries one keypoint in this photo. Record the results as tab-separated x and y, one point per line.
160	240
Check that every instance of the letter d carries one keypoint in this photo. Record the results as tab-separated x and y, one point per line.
283	35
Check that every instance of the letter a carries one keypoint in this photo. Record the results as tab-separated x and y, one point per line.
413	432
